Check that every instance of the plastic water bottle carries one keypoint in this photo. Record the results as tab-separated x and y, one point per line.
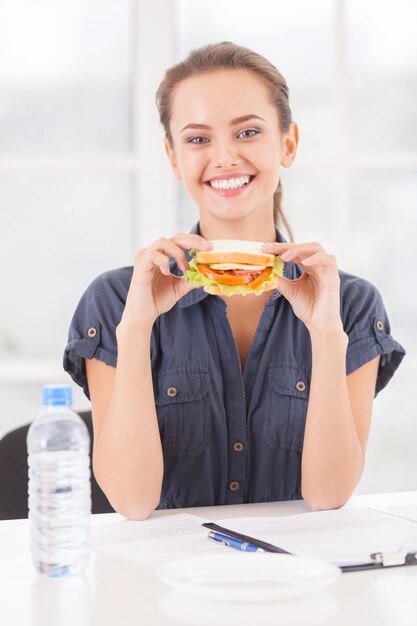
58	445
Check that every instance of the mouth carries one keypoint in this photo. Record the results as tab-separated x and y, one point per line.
230	186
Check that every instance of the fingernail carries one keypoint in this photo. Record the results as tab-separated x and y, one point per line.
286	255
268	246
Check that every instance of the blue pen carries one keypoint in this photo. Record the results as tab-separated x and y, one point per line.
243	546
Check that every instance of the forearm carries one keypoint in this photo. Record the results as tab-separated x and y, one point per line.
333	459
128	460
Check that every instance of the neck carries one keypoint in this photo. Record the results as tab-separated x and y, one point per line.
245	229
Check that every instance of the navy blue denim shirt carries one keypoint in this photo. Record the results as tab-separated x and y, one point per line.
229	437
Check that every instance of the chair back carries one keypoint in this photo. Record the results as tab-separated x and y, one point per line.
14	474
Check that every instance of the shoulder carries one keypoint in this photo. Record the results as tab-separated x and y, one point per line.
358	293
362	307
105	297
366	322
114	282
351	284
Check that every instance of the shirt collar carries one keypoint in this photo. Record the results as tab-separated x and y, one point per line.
196	295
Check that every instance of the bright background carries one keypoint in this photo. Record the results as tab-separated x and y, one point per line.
84	180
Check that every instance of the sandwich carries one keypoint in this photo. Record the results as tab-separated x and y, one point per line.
234	267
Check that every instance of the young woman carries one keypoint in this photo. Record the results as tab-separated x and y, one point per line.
200	399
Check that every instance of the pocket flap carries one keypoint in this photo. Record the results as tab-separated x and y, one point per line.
290	379
181	385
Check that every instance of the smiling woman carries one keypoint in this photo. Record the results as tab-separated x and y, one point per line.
231	140
266	104
201	398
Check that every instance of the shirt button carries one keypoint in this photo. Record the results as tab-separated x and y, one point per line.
238	446
172	392
234	486
92	332
380	325
300	386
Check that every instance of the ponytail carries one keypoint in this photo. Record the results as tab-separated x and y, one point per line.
279	217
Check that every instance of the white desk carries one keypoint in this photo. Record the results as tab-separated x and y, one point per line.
118	592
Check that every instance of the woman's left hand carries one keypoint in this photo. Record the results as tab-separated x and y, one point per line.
315	296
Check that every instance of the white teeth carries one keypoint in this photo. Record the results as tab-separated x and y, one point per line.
230	183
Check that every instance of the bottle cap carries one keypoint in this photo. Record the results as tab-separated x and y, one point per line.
56	395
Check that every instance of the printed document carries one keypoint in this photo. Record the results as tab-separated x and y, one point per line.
342	536
155	540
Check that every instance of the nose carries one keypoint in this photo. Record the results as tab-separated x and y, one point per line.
225	155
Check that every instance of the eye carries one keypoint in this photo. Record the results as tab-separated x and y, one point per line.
197	140
249	132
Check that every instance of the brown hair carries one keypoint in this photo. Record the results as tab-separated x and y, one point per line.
227	55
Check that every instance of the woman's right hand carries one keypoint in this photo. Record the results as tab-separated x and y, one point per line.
153	289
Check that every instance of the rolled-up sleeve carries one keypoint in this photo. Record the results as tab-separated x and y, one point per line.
366	323
92	332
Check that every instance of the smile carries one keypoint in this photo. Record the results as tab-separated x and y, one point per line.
230	184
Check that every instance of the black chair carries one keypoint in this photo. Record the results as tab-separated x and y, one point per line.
14	475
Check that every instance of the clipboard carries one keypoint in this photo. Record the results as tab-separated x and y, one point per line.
378	560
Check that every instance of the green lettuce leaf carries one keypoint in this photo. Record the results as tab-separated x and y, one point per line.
194	276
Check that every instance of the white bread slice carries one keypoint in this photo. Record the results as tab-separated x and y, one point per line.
236	251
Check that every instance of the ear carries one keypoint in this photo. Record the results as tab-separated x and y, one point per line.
289	145
172	159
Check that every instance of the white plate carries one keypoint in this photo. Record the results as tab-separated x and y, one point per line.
248	576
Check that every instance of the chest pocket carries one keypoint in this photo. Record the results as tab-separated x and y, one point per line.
287	401
183	410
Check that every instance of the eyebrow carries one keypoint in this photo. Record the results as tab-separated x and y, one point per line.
236	120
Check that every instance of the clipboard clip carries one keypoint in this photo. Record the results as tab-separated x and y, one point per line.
403	556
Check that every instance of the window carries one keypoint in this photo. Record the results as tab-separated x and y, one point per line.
83	176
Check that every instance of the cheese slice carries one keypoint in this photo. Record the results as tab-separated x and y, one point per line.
236	266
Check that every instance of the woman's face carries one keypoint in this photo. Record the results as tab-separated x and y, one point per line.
227	145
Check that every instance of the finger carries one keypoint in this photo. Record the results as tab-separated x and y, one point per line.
187	241
160	260
287	288
299	251
293	251
184	286
169	248
324	267
276	247
320	258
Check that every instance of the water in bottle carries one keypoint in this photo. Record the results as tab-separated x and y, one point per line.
59	485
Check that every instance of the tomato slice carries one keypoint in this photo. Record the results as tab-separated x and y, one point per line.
252	279
260	279
222	277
